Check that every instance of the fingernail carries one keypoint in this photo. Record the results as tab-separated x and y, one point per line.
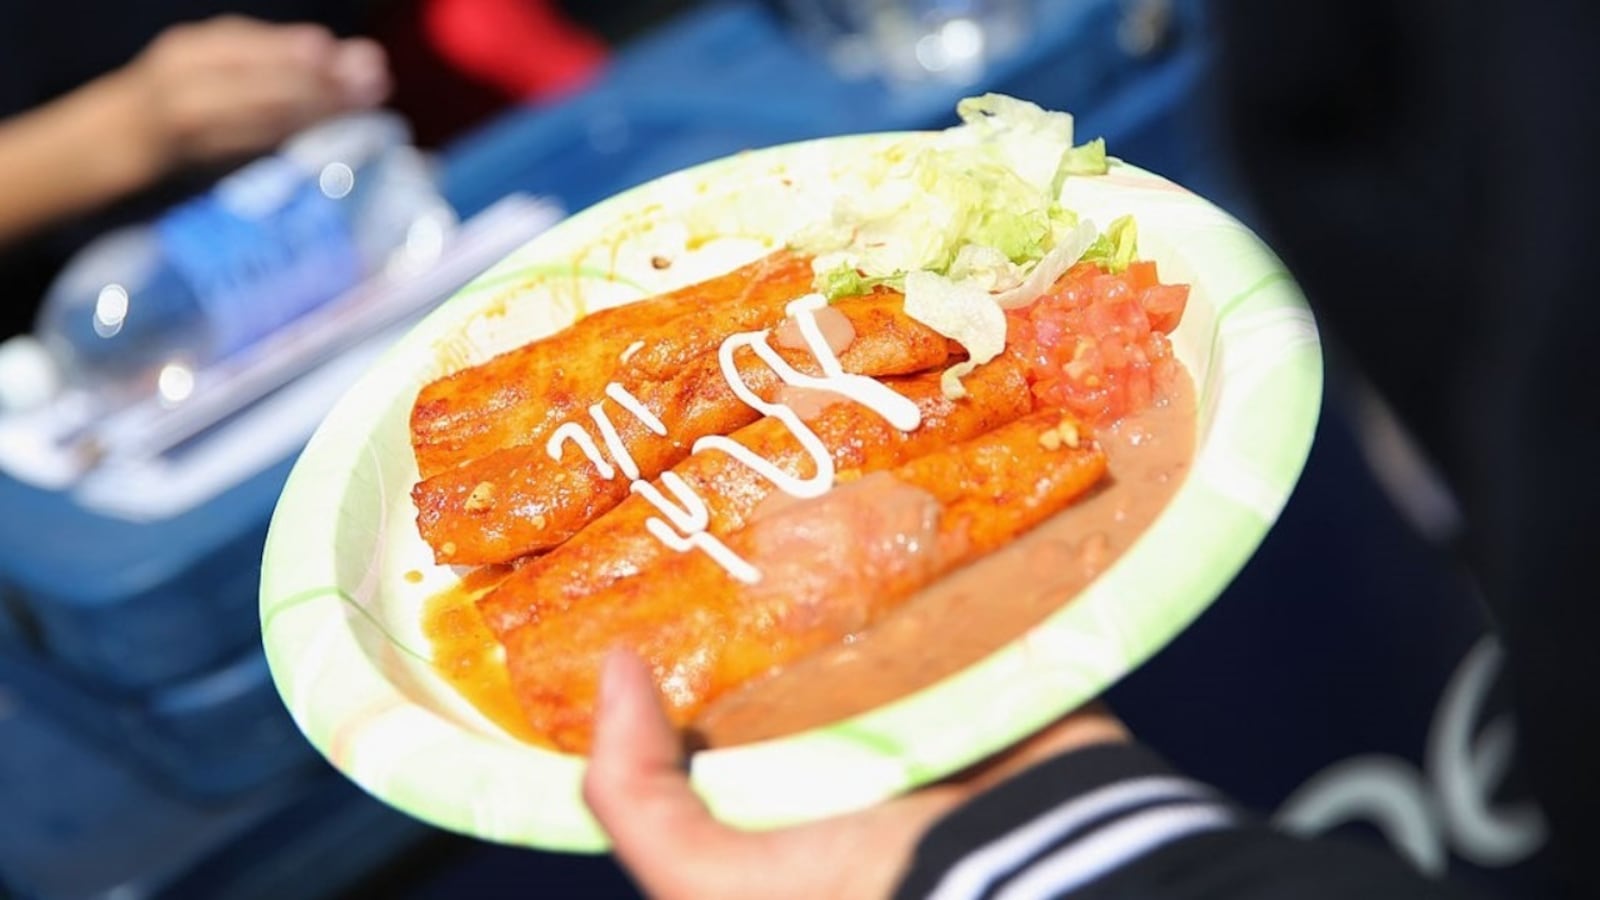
362	71
613	677
613	692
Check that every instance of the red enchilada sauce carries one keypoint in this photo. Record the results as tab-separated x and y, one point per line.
467	656
1096	346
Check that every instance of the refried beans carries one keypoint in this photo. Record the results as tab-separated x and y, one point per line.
977	610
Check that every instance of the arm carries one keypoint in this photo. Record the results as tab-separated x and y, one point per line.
85	149
1114	821
1076	811
203	93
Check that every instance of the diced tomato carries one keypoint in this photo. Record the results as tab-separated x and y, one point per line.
1097	343
1141	274
1165	304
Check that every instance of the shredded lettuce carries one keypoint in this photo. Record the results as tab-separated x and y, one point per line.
1085	159
961	311
984	266
967	223
1032	142
1117	247
844	281
990	183
1055	264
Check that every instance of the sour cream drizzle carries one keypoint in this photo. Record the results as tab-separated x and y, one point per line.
714	548
619	450
869	392
572	431
631	403
686	511
688	514
822	479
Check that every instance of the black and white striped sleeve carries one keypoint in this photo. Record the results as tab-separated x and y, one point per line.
1115	821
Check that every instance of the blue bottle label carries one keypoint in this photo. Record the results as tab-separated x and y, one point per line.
264	247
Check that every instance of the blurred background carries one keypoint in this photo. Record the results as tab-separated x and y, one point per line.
145	430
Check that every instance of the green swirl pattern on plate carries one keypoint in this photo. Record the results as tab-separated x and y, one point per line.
342	624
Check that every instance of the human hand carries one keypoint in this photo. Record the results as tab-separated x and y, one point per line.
662	832
230	87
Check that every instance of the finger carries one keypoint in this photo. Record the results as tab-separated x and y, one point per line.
296	77
257	44
637	788
360	73
633	738
236	113
673	847
309	45
235	42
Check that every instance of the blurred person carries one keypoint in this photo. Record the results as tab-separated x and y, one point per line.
1426	170
110	112
200	94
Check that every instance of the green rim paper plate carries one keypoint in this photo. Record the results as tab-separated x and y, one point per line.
342	624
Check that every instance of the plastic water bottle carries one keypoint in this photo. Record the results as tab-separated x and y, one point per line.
142	308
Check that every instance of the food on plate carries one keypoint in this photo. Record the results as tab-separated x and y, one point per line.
520	397
531	497
1096	344
832	566
812	454
617	545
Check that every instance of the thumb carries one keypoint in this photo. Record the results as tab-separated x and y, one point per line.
637	787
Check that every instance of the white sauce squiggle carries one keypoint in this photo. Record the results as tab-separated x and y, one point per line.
619	450
714	548
895	409
631	403
572	431
820	481
687	513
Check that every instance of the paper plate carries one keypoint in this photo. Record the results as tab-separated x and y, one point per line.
342	623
